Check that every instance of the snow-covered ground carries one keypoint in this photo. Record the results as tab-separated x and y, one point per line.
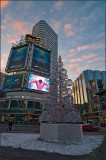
33	142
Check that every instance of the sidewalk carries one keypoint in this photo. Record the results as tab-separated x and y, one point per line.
9	153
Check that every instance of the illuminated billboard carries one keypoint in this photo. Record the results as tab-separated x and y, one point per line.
30	37
17	58
38	83
13	82
41	60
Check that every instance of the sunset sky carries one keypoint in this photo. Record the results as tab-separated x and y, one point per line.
80	26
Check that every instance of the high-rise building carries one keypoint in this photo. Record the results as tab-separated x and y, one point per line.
49	39
85	89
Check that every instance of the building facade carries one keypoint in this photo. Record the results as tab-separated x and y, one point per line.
85	88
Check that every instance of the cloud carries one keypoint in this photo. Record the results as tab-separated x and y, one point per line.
76	60
76	70
2	62
3	27
89	56
4	55
10	38
71	65
4	4
72	51
67	27
63	59
69	55
96	59
58	5
21	27
56	25
84	57
90	46
68	31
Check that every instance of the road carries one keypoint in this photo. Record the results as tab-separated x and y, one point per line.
9	153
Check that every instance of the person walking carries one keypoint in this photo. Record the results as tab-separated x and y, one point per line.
10	125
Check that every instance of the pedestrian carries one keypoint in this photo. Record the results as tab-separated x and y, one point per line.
10	125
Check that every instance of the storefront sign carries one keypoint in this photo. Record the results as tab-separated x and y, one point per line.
24	97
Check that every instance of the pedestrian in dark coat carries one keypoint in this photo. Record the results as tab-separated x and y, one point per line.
10	125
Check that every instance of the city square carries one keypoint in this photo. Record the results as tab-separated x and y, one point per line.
53	80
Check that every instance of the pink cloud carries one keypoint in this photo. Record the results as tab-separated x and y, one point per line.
4	4
69	55
3	27
96	59
72	50
76	70
13	40
4	55
21	27
76	60
83	47
67	27
2	62
89	56
90	61
63	60
56	26
58	5
70	65
73	65
69	33
94	46
99	58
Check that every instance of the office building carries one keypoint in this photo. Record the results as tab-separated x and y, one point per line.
85	89
49	39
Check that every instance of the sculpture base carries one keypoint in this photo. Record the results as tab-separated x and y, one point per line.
61	132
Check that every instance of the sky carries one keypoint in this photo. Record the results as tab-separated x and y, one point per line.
80	26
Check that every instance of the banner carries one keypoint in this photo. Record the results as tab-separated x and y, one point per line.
17	58
13	82
41	60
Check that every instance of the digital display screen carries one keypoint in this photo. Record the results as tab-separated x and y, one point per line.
38	83
13	82
17	58
41	60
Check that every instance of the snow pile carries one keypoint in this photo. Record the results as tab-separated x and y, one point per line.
32	142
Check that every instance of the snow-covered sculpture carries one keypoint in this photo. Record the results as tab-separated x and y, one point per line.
63	113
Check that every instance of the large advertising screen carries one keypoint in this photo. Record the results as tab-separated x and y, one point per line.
41	60
13	82
38	83
17	58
